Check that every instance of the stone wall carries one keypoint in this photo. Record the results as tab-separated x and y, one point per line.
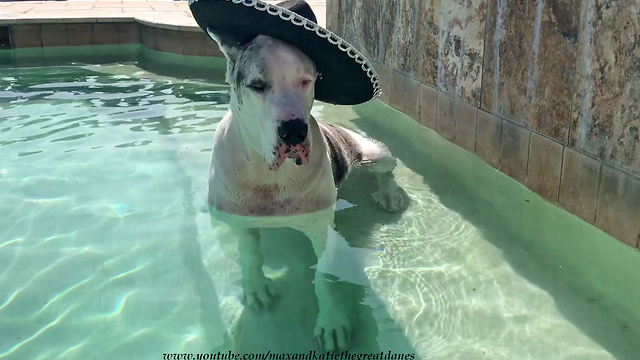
546	91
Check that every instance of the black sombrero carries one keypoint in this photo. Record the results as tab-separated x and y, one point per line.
346	76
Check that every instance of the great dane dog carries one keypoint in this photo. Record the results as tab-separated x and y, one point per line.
274	165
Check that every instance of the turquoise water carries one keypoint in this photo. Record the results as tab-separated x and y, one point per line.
106	251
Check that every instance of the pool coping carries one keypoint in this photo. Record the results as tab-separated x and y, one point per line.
172	14
187	24
163	26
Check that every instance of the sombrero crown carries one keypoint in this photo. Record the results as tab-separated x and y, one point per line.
347	77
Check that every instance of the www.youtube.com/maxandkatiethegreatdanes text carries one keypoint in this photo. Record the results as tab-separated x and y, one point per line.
311	355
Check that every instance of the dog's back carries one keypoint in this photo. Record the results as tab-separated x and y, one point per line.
344	150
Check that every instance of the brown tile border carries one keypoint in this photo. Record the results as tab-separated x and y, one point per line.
488	138
27	36
514	153
384	73
466	116
80	34
545	166
445	121
428	106
128	33
618	208
397	90
194	43
170	41
105	34
412	95
54	35
579	184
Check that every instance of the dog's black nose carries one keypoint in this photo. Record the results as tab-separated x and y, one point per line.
293	132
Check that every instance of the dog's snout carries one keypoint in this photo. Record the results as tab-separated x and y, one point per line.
293	132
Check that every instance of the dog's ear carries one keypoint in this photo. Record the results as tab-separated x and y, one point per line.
228	44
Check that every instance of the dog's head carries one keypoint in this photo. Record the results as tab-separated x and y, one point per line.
272	91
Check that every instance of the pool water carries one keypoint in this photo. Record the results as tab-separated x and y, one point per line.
107	250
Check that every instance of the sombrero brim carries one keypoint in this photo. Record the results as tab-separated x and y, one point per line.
347	77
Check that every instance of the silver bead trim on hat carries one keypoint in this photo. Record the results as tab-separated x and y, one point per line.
334	39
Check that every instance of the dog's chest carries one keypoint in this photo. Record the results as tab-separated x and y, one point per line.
245	195
245	186
262	202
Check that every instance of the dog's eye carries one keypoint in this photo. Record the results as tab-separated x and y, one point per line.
306	82
258	86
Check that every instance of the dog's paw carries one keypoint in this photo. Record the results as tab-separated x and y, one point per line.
333	330
389	199
259	291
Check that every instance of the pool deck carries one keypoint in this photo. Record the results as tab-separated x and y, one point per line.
46	29
174	15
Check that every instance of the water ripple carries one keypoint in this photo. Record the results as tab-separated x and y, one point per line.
26	341
75	112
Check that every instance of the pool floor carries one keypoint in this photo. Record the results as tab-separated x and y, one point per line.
107	250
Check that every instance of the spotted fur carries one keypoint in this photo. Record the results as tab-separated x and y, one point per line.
344	151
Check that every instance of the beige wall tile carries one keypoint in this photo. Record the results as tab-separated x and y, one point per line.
618	209
445	121
545	167
54	35
105	34
515	151
489	138
428	106
579	184
172	41
146	36
28	36
397	90
412	98
128	33
385	82
193	43
465	133
80	34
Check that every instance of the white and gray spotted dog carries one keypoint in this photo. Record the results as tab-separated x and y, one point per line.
274	165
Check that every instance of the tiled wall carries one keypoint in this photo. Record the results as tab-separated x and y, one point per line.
193	43
168	40
546	91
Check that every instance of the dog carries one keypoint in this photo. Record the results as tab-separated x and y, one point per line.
275	165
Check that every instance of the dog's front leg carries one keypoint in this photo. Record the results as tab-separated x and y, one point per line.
333	326
258	289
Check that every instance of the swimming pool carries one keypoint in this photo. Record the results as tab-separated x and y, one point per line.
106	250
